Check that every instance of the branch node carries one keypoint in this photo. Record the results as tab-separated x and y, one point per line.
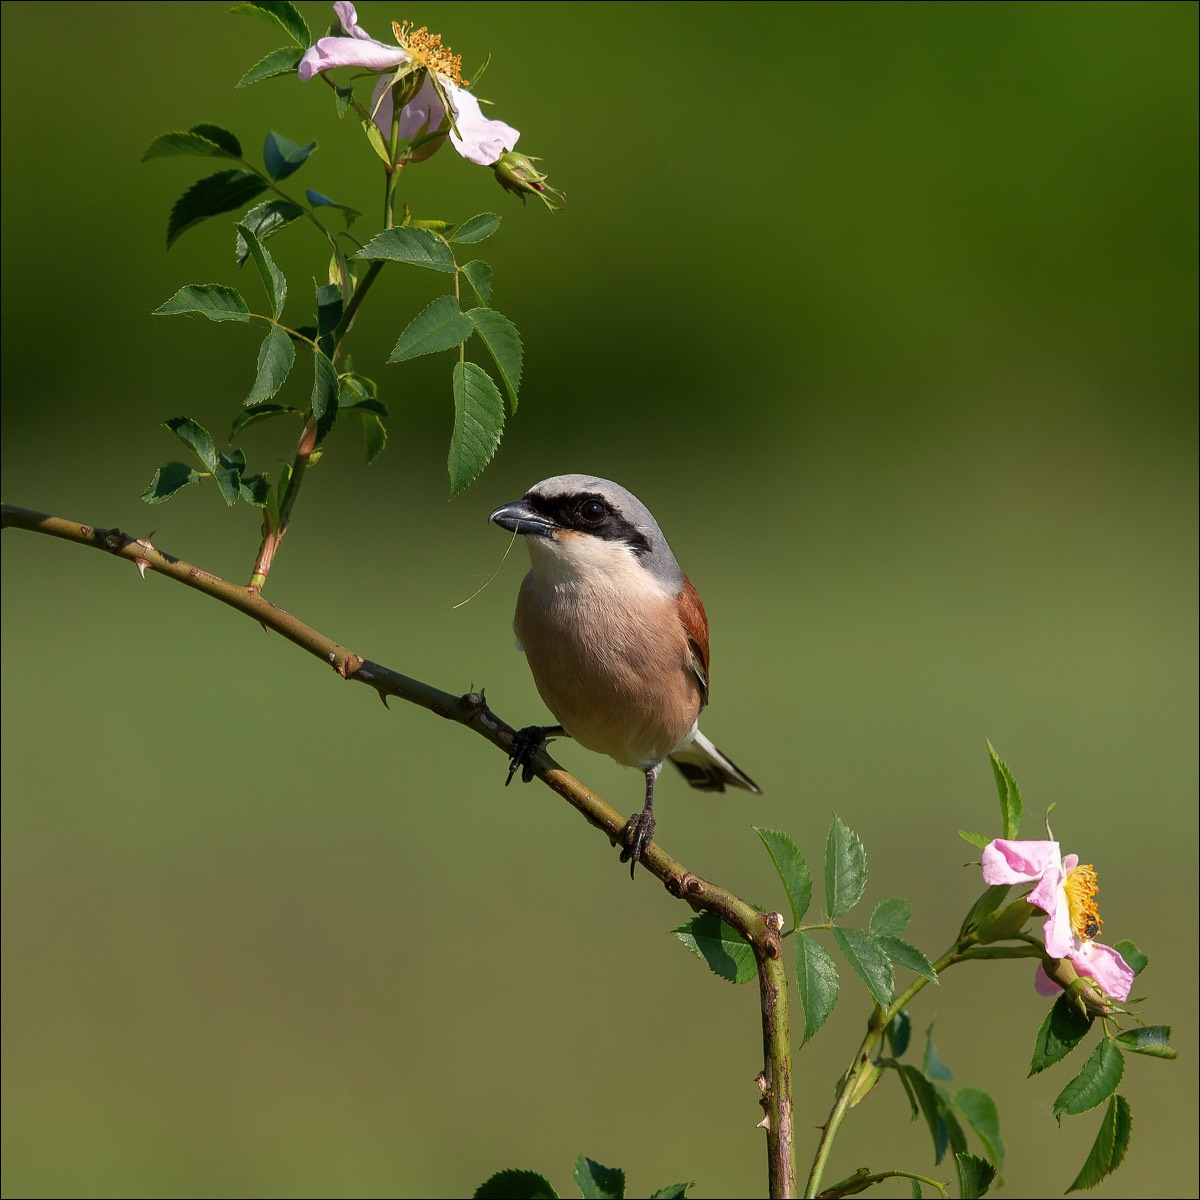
114	540
774	922
761	1080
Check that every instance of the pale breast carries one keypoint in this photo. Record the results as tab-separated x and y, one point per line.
614	672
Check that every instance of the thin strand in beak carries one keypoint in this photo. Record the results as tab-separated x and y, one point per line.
490	577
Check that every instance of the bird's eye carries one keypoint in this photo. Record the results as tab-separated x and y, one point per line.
593	511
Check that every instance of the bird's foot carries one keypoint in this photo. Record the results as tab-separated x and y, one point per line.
635	837
525	744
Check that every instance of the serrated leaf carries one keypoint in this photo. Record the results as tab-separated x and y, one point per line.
343	96
418	247
168	479
1135	960
324	401
890	918
1108	1150
479	276
319	200
263	220
228	475
981	1114
1010	794
975	1175
1093	1085
727	953
915	1190
196	438
899	1033
478	424
793	870
845	868
260	412
255	489
281	13
275	358
273	281
210	196
440	325
598	1182
1154	1040
516	1185
503	341
869	961
816	983
374	436
978	840
212	300
903	954
1062	1030
329	313
375	139
204	141
476	229
943	1128
675	1191
279	62
283	157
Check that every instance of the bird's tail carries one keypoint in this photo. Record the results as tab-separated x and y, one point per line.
706	768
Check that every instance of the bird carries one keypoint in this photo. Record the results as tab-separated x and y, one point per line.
616	638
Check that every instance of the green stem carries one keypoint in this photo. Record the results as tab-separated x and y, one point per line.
761	930
861	1180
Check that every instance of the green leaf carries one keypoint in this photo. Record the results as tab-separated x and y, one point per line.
196	438
1062	1030
275	358
204	141
416	246
975	1176
943	1128
1153	1040
869	961
890	918
1109	1147
228	475
319	200
168	479
598	1182
793	870
479	276
979	1109
478	424
1094	1084
676	1191
263	220
343	96
283	157
272	277
324	402
515	1185
329	313
905	955
978	840
214	194
281	13
375	138
441	325
727	953
503	341
477	228
1010	794
990	901
1134	958
260	412
932	1063
256	490
816	982
374	436
212	300
899	1033
279	62
845	868
915	1189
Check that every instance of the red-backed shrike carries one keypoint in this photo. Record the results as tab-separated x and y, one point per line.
616	638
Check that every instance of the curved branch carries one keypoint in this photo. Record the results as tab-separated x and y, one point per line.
761	930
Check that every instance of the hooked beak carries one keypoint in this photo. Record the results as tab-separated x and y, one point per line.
519	517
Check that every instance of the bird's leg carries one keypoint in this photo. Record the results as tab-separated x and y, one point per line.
525	742
639	829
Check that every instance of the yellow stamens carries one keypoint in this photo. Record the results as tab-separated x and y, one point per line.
427	50
1081	887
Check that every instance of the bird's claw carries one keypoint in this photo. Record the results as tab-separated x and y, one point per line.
525	744
636	835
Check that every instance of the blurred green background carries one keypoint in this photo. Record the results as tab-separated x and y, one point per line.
888	312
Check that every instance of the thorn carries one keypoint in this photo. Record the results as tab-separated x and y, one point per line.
765	1123
141	565
382	696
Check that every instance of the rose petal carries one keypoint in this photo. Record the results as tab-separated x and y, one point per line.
348	15
1044	985
331	52
1106	966
424	113
478	139
1017	862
